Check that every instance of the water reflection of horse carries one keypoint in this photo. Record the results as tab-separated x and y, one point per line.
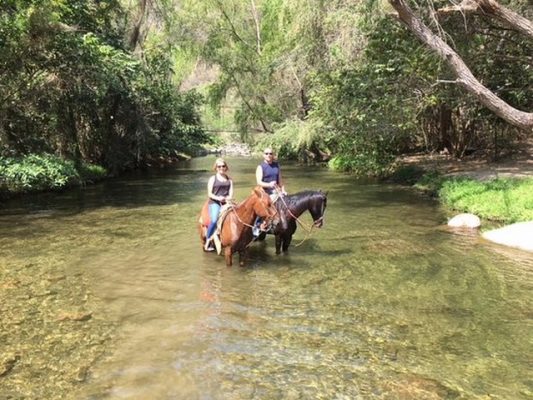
290	208
236	229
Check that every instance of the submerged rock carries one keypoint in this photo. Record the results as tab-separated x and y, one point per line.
465	221
519	235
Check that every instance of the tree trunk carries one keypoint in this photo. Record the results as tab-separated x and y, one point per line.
463	74
136	31
492	9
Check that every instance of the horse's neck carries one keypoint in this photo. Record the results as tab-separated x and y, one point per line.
299	208
245	210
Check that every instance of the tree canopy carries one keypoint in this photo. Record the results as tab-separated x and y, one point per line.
120	83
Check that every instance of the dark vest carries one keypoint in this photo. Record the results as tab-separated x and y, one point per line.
220	189
270	174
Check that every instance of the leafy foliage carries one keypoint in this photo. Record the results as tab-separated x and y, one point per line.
293	137
40	172
90	81
72	87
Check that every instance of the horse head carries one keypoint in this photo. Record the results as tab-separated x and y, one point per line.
264	207
317	207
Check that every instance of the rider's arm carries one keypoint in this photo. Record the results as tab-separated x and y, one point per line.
230	193
280	183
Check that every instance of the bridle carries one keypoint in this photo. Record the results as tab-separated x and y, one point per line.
268	210
307	228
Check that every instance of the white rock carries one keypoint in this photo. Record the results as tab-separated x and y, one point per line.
465	221
519	235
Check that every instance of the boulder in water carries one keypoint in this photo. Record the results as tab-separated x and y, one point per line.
519	235
465	221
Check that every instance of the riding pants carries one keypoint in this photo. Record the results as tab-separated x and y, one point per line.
214	211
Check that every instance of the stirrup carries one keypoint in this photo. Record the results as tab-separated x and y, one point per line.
208	246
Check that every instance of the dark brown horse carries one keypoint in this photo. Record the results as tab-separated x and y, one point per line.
236	231
290	208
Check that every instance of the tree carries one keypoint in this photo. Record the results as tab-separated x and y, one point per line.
464	76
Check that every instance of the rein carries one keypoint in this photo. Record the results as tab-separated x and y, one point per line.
303	225
307	229
234	209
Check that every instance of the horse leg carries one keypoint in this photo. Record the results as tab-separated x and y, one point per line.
242	257
286	242
228	256
202	231
287	236
278	244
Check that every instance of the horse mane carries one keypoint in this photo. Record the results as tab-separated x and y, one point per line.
294	200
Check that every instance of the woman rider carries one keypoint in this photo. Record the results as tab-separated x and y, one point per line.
219	191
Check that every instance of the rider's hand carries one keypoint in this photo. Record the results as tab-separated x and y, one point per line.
272	184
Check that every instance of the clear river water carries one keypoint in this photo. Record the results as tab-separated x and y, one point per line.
105	293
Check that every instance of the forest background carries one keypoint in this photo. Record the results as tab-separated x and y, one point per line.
92	88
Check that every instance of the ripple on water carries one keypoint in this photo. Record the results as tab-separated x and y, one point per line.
383	302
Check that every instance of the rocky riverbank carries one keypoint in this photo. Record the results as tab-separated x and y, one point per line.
518	235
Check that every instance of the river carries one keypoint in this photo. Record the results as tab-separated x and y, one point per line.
105	293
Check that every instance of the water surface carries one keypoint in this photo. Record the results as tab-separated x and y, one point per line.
106	294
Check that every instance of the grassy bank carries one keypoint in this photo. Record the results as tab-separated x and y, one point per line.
507	200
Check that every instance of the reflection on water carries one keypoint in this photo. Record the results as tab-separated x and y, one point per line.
382	303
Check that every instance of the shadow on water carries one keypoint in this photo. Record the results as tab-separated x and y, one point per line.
135	189
105	293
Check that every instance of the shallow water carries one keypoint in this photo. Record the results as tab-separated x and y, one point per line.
105	293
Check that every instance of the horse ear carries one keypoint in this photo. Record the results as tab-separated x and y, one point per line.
257	190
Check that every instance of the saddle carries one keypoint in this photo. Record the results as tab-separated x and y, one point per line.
226	208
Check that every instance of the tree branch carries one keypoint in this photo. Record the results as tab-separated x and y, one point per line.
257	27
463	74
494	10
231	25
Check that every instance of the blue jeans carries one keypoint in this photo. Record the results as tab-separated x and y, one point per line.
214	211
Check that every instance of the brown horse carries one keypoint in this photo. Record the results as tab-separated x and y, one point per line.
236	231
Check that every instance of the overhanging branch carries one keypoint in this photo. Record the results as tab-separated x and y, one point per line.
463	74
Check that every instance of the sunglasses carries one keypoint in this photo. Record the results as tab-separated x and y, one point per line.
268	154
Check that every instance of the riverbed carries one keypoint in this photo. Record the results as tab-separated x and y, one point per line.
106	293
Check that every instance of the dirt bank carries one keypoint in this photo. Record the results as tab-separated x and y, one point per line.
478	167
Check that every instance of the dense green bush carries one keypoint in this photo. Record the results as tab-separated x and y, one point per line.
292	138
406	175
363	164
430	182
72	86
43	172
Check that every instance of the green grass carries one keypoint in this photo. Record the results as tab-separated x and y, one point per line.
503	199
